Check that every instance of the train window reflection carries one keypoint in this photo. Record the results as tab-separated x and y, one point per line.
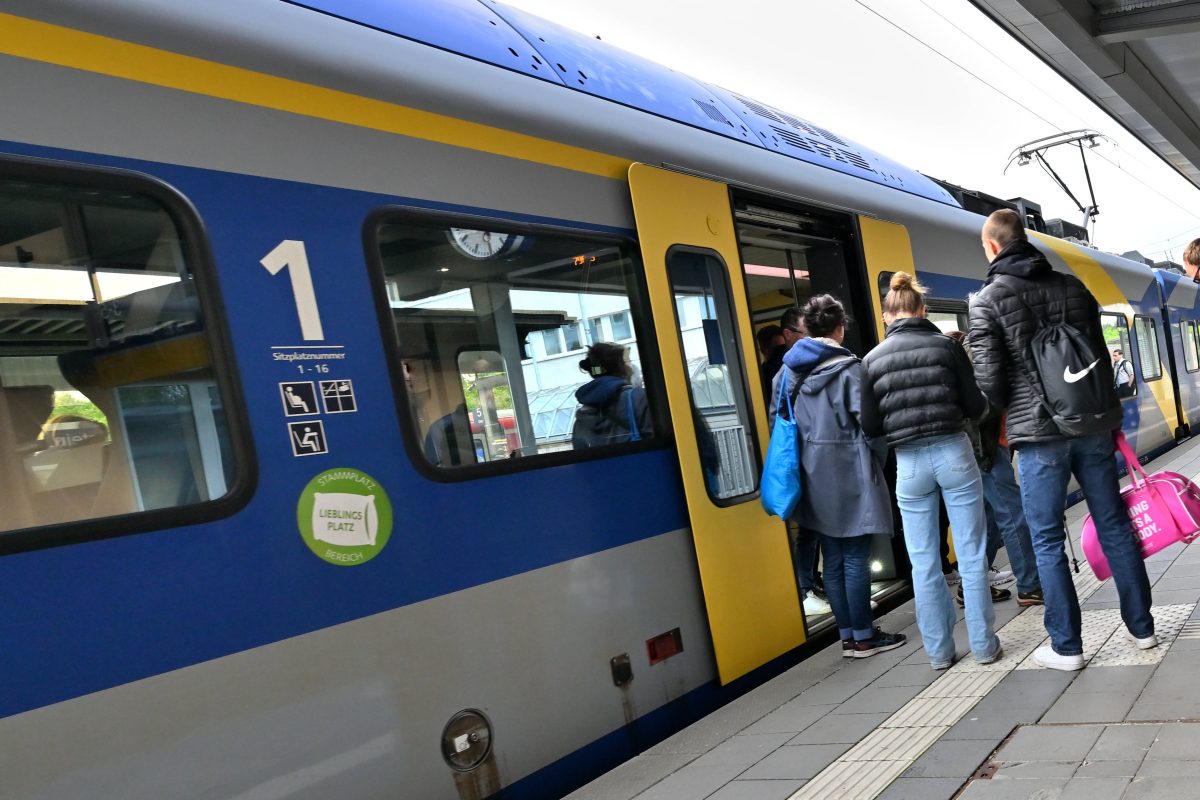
108	402
720	408
491	330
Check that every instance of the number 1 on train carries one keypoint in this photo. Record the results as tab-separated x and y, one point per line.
291	254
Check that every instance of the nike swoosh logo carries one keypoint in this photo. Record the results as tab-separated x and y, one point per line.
1073	377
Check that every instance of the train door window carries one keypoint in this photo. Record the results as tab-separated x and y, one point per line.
109	401
1188	338
1117	341
491	329
1146	333
720	408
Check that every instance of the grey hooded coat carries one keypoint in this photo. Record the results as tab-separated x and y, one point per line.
843	489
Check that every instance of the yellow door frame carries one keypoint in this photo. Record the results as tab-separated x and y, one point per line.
745	562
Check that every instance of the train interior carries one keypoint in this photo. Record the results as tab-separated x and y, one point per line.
789	254
104	366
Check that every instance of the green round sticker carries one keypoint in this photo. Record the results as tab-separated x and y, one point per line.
344	516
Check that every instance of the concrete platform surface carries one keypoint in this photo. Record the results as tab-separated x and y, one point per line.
1126	727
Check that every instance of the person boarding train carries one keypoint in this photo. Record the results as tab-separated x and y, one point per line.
844	498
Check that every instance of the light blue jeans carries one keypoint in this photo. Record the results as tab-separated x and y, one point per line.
923	468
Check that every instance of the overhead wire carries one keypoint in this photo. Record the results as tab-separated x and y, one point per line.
1014	100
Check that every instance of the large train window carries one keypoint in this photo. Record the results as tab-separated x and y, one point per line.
720	409
108	397
1188	339
1146	334
513	342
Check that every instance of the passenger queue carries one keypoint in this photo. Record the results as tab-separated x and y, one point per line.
919	392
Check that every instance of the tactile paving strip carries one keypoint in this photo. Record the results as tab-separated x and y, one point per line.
1019	638
882	756
1190	630
895	744
851	780
923	712
963	684
1118	651
1097	626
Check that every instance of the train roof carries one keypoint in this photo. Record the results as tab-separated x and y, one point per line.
521	42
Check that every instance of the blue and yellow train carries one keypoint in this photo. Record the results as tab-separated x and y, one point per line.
293	298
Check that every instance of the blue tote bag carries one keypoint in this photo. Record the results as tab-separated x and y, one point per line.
780	488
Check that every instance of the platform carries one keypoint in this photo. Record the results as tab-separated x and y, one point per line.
1127	726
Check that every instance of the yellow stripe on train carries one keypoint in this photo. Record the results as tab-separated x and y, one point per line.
54	44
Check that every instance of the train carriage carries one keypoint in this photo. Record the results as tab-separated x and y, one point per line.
293	299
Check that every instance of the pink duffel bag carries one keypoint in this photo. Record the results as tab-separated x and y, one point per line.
1164	509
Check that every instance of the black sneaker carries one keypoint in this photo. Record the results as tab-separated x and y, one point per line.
1027	599
847	648
998	596
878	643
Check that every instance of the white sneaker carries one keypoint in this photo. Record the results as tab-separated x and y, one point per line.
1142	644
814	605
952	578
999	577
1045	656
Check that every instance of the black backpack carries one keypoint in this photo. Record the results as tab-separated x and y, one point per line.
1074	381
613	423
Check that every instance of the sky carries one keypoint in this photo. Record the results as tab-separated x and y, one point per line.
933	84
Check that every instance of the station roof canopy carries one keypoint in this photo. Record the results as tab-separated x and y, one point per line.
1138	59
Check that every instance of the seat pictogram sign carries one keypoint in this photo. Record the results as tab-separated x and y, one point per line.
299	398
338	396
308	438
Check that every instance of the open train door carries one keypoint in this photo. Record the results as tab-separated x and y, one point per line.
702	322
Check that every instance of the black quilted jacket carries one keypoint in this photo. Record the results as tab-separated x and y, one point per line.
1002	327
919	384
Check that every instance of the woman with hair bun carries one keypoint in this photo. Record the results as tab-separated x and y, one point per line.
919	392
844	497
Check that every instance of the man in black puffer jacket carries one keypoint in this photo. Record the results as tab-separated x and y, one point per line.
1021	291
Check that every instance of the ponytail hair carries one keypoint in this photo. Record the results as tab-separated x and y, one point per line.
905	296
823	314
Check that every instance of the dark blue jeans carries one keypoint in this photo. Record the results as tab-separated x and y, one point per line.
1006	522
847	576
1046	468
808	543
